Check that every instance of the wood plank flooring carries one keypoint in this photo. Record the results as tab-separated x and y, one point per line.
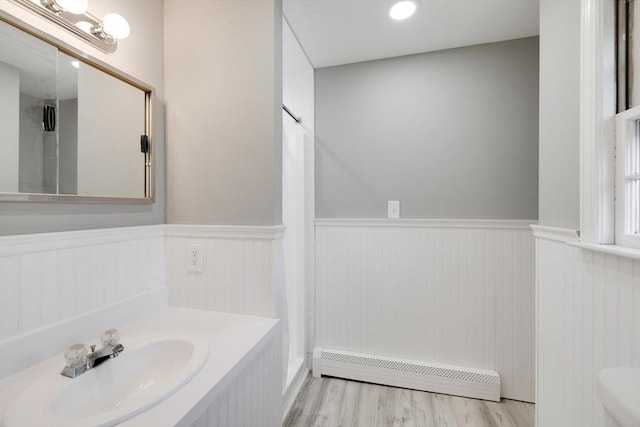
335	402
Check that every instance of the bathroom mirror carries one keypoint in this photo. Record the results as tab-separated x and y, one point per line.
71	128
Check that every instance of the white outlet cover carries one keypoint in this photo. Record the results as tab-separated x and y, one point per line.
393	209
195	258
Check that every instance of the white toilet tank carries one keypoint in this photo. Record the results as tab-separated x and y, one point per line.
619	392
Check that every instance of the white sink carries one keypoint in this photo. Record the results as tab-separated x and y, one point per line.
149	370
619	392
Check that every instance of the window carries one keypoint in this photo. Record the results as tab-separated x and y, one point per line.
627	204
610	83
628	177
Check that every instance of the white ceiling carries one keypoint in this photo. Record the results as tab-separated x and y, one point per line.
334	32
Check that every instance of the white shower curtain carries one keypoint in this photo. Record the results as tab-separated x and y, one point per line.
293	214
281	306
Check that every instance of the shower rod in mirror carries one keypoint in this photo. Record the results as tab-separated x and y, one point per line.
72	15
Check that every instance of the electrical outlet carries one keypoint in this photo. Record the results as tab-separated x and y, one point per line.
393	209
195	258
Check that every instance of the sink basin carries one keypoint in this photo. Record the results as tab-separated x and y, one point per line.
619	392
149	370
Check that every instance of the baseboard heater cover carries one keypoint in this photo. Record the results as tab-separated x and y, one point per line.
437	378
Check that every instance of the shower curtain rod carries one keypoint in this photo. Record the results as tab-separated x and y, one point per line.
297	119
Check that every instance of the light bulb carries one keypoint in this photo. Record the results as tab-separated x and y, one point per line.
116	26
85	26
403	9
74	6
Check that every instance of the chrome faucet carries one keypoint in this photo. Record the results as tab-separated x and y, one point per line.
80	361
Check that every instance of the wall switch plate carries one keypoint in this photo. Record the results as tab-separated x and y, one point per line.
393	209
195	258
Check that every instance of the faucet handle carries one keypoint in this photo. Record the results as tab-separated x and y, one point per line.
76	355
110	337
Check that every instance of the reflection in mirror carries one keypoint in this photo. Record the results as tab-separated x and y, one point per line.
67	127
111	119
68	124
27	83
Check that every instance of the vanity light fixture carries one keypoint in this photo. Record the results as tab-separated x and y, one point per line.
71	6
72	15
403	9
116	26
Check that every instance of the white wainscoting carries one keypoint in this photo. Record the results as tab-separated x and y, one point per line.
241	273
588	306
453	292
48	278
254	397
66	287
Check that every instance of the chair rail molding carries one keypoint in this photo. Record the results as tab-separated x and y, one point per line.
426	223
246	232
555	234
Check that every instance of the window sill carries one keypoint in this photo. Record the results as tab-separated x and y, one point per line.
623	251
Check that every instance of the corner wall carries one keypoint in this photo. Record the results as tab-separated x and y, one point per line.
223	63
559	186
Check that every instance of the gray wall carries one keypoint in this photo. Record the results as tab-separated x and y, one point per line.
141	56
32	143
451	134
9	128
68	146
560	113
223	65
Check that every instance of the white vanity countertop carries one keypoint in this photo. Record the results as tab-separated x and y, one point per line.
234	340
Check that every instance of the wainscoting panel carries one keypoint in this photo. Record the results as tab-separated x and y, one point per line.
240	268
451	292
52	277
588	319
254	397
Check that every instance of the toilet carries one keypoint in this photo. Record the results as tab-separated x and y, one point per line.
619	392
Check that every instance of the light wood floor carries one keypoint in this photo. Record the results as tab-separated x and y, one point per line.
334	402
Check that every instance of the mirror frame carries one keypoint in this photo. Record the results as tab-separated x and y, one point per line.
106	68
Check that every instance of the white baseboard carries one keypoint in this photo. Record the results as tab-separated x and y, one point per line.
438	378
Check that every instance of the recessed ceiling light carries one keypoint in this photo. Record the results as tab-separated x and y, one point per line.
403	9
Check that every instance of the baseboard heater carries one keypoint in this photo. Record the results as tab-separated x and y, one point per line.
437	378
